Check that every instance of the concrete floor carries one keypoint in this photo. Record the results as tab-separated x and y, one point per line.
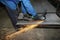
6	26
35	34
42	6
39	34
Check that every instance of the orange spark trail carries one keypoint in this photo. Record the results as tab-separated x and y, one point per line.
28	27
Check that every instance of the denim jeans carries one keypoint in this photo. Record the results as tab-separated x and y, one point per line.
12	5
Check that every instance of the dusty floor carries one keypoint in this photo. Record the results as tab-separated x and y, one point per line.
40	34
5	24
35	34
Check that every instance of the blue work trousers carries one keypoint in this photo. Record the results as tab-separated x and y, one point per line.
12	4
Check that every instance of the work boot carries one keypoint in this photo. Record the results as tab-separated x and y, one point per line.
38	17
27	17
30	17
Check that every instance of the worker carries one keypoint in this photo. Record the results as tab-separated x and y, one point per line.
26	6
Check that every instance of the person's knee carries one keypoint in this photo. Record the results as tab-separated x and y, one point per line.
11	5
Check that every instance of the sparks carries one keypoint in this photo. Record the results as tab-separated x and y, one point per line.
28	27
